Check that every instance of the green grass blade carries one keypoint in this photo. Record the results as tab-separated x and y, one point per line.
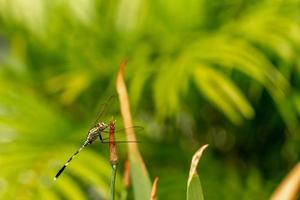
194	190
140	178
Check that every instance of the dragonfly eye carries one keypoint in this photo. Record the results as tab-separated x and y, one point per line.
102	125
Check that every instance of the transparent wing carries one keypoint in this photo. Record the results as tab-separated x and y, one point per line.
106	141
136	129
120	135
103	109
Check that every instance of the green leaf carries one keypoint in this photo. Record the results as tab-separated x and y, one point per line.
70	189
140	178
223	93
27	153
194	191
166	97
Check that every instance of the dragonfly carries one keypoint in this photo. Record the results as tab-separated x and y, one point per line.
95	132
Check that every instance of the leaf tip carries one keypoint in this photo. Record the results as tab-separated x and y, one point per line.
195	161
290	186
154	189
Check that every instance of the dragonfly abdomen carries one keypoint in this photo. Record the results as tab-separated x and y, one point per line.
70	159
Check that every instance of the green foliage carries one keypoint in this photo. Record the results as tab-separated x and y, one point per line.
224	63
140	179
194	191
29	146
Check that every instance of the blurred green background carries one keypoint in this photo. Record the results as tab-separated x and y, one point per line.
224	72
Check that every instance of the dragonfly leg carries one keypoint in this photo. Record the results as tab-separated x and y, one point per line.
100	138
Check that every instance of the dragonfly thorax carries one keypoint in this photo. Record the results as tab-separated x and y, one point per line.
102	126
95	132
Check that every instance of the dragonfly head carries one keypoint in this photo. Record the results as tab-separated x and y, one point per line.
102	125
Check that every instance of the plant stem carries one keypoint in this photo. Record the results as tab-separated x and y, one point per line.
113	180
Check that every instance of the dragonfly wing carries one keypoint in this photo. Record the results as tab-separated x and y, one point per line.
119	138
136	129
104	108
106	141
120	135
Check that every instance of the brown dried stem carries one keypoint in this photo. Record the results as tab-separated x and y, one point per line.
126	176
154	189
124	106
113	153
140	178
289	188
113	156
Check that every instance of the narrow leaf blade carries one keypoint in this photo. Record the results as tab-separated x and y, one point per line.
194	188
139	174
